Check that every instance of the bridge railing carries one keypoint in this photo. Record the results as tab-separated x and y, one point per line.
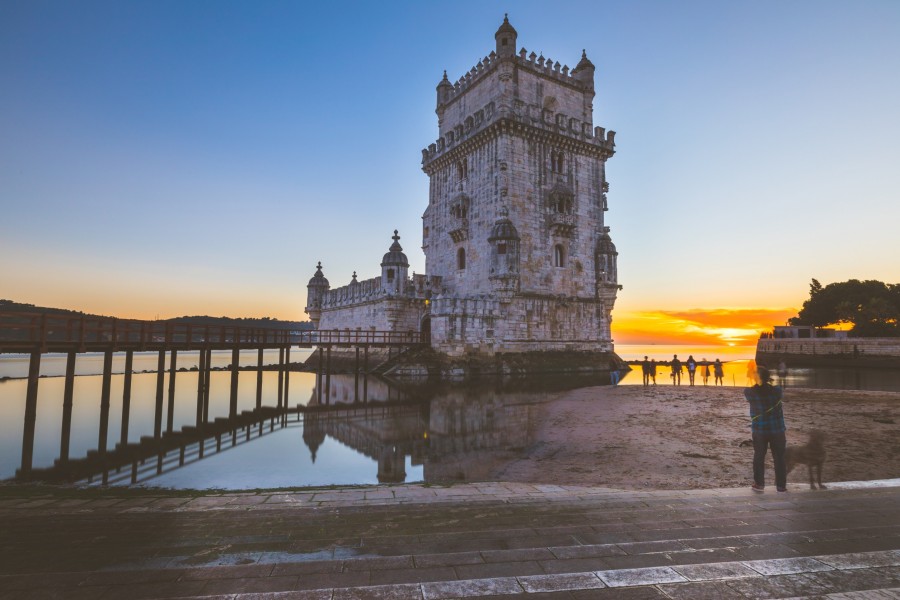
20	331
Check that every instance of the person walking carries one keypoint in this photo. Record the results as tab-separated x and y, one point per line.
718	372
676	370
653	370
645	370
691	368
768	429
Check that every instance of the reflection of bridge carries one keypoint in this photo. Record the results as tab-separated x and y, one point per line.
37	334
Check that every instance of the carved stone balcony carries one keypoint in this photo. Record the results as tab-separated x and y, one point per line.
459	229
562	224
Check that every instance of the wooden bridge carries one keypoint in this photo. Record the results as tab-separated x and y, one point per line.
37	334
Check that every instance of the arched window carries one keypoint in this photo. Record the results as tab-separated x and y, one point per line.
390	274
462	169
557	162
461	259
559	256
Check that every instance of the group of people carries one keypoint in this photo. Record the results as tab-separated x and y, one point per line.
648	368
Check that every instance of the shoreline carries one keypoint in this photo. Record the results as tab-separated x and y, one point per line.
681	437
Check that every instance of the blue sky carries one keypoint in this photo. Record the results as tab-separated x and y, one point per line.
169	158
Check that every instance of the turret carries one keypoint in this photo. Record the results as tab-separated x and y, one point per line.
315	294
606	257
584	71
444	89
504	241
394	268
506	39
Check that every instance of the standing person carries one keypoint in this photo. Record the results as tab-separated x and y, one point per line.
653	370
704	371
645	369
782	374
614	375
767	426
676	370
691	368
718	372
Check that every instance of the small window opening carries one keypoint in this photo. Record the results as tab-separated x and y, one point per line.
390	274
501	248
559	256
461	259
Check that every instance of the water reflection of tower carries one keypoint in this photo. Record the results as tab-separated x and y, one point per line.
391	465
313	431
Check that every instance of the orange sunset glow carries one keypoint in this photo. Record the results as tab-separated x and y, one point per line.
720	326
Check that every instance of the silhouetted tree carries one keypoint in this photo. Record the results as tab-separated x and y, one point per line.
873	307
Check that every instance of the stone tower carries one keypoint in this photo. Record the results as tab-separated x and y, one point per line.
514	226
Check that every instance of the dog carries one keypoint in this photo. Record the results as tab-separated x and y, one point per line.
811	455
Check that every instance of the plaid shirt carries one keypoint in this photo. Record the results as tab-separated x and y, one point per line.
765	408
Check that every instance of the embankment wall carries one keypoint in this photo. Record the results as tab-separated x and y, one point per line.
818	352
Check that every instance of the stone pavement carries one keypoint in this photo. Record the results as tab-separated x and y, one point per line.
427	542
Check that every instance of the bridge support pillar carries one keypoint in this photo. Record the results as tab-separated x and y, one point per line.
235	359
104	401
34	371
259	378
160	382
280	375
170	413
68	392
287	374
126	397
201	379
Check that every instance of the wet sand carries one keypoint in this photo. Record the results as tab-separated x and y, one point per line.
668	437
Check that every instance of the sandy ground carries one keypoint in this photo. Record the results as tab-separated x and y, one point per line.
668	437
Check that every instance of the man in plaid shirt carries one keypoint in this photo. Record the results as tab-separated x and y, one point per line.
767	424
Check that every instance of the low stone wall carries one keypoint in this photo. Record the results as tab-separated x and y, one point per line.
816	352
429	364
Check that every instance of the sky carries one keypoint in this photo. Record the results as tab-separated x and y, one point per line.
170	158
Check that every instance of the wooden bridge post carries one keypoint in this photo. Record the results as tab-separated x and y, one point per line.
170	414
235	359
356	377
280	375
206	383
259	378
201	379
328	375
287	374
104	401
126	396
34	371
68	391
320	374
160	380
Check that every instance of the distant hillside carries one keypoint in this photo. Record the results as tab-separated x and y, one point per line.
10	306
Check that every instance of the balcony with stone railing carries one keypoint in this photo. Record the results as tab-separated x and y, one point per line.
562	224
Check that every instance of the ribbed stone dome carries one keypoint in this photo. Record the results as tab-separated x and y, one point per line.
395	256
605	245
318	280
503	228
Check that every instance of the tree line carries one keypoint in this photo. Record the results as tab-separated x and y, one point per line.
872	307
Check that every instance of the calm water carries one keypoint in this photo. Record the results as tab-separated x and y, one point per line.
404	433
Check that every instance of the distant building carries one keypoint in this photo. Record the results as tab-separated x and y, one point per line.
806	332
517	255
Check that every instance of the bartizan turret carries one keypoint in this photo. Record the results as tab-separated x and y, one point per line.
394	269
315	294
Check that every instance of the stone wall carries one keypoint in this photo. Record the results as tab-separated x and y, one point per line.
860	352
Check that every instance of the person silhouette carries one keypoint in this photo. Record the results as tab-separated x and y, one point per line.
645	370
718	372
691	368
676	370
704	371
